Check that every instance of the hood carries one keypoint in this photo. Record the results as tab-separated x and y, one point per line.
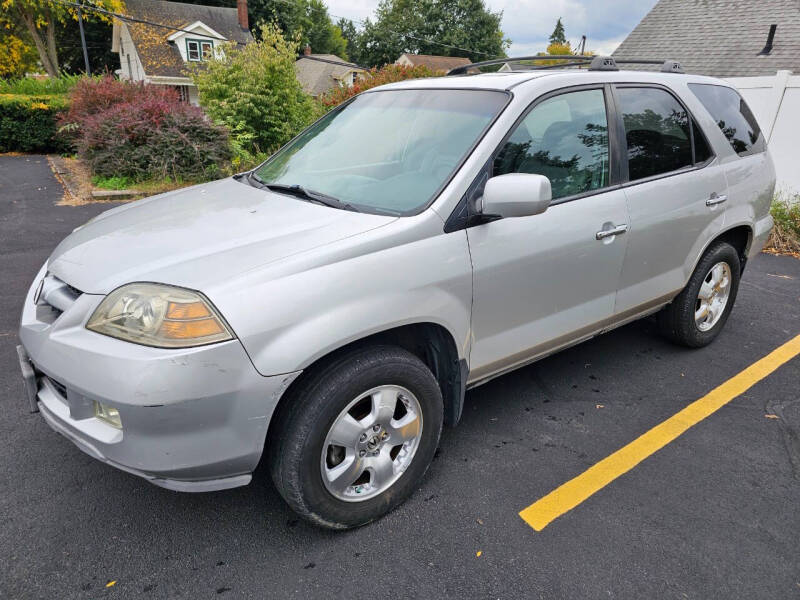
198	236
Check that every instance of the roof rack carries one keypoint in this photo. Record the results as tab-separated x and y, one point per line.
595	63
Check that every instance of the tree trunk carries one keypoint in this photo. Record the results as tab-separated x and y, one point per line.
51	44
41	48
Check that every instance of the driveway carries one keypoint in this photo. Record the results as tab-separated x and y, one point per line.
713	514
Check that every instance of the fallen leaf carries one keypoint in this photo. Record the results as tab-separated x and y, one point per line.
599	405
478	553
772	416
111	583
480	522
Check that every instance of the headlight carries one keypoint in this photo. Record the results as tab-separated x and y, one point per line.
159	315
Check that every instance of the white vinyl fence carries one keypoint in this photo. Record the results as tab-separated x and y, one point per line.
775	101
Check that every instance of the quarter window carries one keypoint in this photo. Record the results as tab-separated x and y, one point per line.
564	138
702	151
656	132
733	117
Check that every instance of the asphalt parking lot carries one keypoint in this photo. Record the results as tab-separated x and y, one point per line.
713	514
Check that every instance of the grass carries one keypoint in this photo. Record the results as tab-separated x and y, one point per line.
29	86
112	183
785	237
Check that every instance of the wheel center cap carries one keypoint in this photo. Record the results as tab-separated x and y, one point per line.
373	443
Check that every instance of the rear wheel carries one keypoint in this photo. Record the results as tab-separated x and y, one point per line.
357	436
697	315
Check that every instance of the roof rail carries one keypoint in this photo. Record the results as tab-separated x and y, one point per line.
595	63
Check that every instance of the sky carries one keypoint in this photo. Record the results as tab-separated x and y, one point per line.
529	23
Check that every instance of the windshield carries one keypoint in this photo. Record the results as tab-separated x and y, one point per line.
387	152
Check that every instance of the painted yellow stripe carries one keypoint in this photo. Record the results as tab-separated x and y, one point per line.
563	499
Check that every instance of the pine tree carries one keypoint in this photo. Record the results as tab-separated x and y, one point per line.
558	37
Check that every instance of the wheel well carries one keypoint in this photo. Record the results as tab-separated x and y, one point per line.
429	342
740	238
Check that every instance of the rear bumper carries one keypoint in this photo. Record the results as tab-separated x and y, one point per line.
761	232
192	419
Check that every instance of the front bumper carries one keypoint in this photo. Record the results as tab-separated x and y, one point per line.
192	419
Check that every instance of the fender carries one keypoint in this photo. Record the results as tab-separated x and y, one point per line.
310	312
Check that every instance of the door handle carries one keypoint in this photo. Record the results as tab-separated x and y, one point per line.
715	199
616	230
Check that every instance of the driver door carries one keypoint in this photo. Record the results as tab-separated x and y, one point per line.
545	281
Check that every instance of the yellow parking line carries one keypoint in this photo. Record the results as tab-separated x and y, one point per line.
566	497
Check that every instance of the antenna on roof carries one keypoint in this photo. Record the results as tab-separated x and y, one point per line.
770	37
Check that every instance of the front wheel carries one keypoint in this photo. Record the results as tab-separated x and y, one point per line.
357	436
697	315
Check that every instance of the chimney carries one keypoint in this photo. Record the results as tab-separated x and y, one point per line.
241	7
307	50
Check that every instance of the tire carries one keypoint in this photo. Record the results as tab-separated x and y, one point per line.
304	457
679	322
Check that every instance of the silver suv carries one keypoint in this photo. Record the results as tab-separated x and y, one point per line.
326	312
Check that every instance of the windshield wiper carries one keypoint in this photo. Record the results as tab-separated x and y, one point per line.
301	192
256	181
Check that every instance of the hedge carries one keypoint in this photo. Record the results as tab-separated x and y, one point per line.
29	123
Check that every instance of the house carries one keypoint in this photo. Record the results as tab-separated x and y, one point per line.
318	73
437	64
159	55
753	45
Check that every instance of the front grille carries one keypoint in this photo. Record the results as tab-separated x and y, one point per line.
56	297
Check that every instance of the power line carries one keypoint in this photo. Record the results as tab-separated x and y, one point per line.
129	19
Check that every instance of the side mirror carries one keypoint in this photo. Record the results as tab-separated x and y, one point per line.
516	195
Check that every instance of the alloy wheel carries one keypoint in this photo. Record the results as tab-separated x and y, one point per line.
371	443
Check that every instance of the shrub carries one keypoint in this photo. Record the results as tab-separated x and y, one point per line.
90	96
373	78
152	135
29	123
785	236
40	86
254	92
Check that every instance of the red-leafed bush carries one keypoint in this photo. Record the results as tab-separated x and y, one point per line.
373	78
142	132
91	96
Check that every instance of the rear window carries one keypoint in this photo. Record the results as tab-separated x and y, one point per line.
733	117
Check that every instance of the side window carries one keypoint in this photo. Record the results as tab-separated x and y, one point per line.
564	138
656	132
733	117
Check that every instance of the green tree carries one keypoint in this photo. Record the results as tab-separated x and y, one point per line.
558	37
40	18
323	36
254	92
17	54
461	28
306	19
353	38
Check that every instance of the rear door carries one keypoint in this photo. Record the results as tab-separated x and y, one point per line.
675	189
543	281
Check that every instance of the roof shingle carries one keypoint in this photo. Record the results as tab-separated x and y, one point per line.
158	56
436	63
720	38
318	76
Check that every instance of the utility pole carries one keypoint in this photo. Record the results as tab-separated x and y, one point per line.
83	42
583	45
